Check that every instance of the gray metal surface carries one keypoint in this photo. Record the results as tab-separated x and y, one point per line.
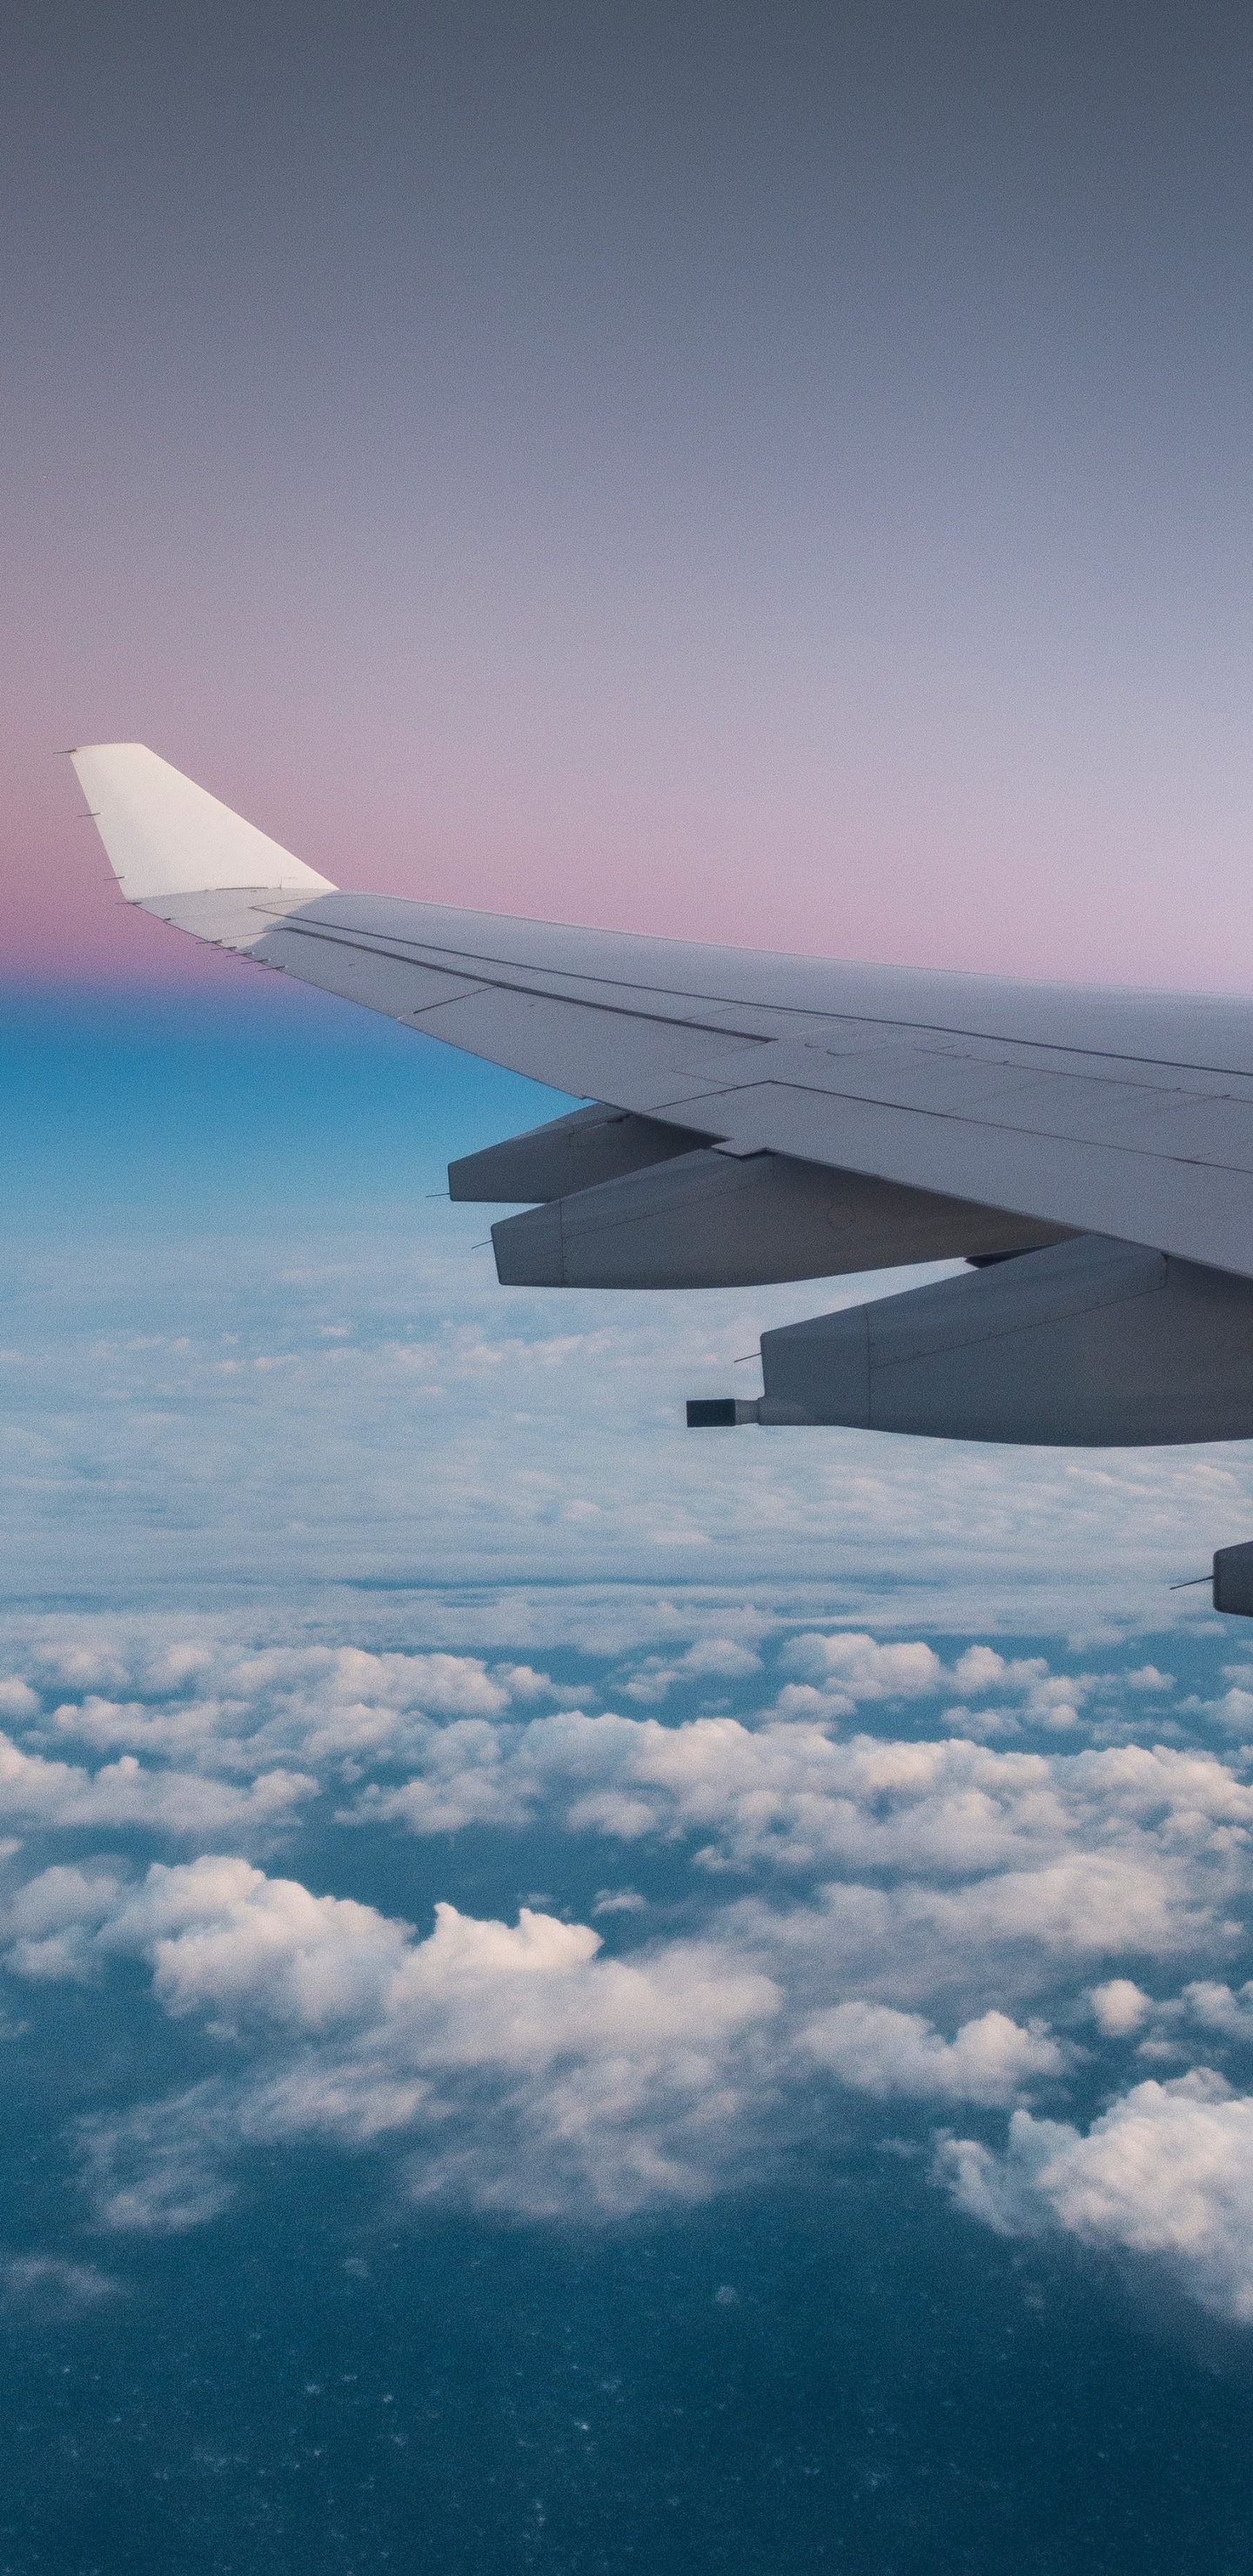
1108	1112
1088	1344
568	1155
714	1220
765	1117
1233	1580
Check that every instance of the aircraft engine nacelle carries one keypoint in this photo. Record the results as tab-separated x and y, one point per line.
1089	1344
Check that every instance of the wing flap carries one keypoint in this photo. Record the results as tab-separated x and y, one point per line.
568	1156
1188	1208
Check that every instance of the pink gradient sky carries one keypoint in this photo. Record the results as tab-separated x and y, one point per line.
835	542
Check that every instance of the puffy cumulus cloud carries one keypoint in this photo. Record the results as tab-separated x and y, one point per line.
519	2066
720	1658
219	1704
841	1672
835	1673
1120	2007
82	1662
1235	1710
1027	1693
1166	2171
226	1940
323	1679
239	1704
49	1794
982	1669
49	1925
713	1659
1216	2008
1075	1856
883	2052
914	1905
1030	1937
514	2065
330	1708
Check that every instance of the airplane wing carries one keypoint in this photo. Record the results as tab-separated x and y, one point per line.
762	1117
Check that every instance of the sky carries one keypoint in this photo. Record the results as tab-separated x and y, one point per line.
574	1999
769	473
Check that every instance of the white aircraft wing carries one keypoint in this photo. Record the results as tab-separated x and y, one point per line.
764	1117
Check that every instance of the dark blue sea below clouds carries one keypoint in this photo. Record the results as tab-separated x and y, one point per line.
835	2370
836	2376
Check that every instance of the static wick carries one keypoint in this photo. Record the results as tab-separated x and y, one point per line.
1191	1582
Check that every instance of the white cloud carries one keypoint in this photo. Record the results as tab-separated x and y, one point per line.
163	2167
990	2061
1070	1857
347	1713
1216	2008
913	1914
81	1662
517	2064
36	1792
723	1658
49	1925
1167	2171
1120	2007
526	2069
711	1658
225	1939
1235	1711
839	1672
847	1668
982	1669
322	1706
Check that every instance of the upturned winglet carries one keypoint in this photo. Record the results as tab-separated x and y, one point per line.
166	836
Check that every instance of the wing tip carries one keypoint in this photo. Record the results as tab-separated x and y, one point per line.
164	835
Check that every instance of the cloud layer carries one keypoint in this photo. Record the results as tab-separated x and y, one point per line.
839	1879
294	1398
523	2067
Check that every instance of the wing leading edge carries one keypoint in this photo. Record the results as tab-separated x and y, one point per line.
768	1117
